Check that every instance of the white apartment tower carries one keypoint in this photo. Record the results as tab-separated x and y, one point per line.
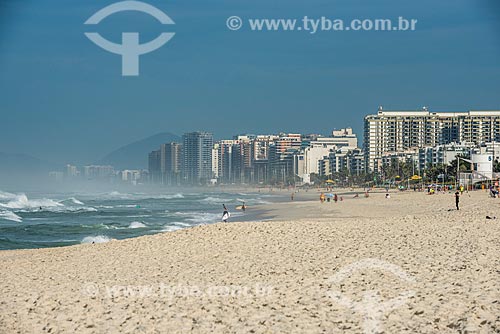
400	131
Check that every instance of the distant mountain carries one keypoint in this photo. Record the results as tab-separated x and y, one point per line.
135	155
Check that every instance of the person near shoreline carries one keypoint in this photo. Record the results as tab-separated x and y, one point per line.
225	214
322	197
457	199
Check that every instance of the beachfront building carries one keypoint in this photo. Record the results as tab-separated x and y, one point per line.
441	154
350	159
243	159
197	157
308	161
492	148
154	166
130	176
282	151
215	160
315	152
171	163
71	172
343	138
165	164
97	172
225	160
400	131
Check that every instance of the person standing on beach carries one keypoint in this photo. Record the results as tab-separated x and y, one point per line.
225	214
457	199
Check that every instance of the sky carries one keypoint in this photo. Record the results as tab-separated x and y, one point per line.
63	99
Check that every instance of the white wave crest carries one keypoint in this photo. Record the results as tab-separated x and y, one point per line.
72	200
63	209
139	196
170	196
8	215
200	217
170	228
136	225
22	202
216	200
181	224
104	207
99	239
6	196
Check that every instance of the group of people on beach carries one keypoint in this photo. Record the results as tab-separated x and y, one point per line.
329	197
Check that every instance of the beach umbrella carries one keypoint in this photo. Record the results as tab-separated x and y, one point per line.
329	195
416	177
330	181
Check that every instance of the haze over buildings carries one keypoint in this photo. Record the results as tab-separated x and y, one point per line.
419	139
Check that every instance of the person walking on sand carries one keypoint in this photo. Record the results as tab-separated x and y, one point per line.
457	199
225	214
292	196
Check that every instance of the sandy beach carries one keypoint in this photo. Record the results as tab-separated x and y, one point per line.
408	264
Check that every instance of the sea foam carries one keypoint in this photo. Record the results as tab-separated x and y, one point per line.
99	239
22	202
136	225
7	215
72	200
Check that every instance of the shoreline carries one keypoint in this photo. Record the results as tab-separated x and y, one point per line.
307	274
282	208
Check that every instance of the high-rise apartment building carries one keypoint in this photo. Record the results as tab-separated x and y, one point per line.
400	131
154	166
171	163
197	157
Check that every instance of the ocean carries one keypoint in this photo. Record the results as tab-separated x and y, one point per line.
42	220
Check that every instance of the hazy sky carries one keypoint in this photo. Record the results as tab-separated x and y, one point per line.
63	99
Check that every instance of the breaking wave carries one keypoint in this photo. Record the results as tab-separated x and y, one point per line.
139	196
170	228
199	217
99	239
8	215
72	200
22	202
6	196
136	225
